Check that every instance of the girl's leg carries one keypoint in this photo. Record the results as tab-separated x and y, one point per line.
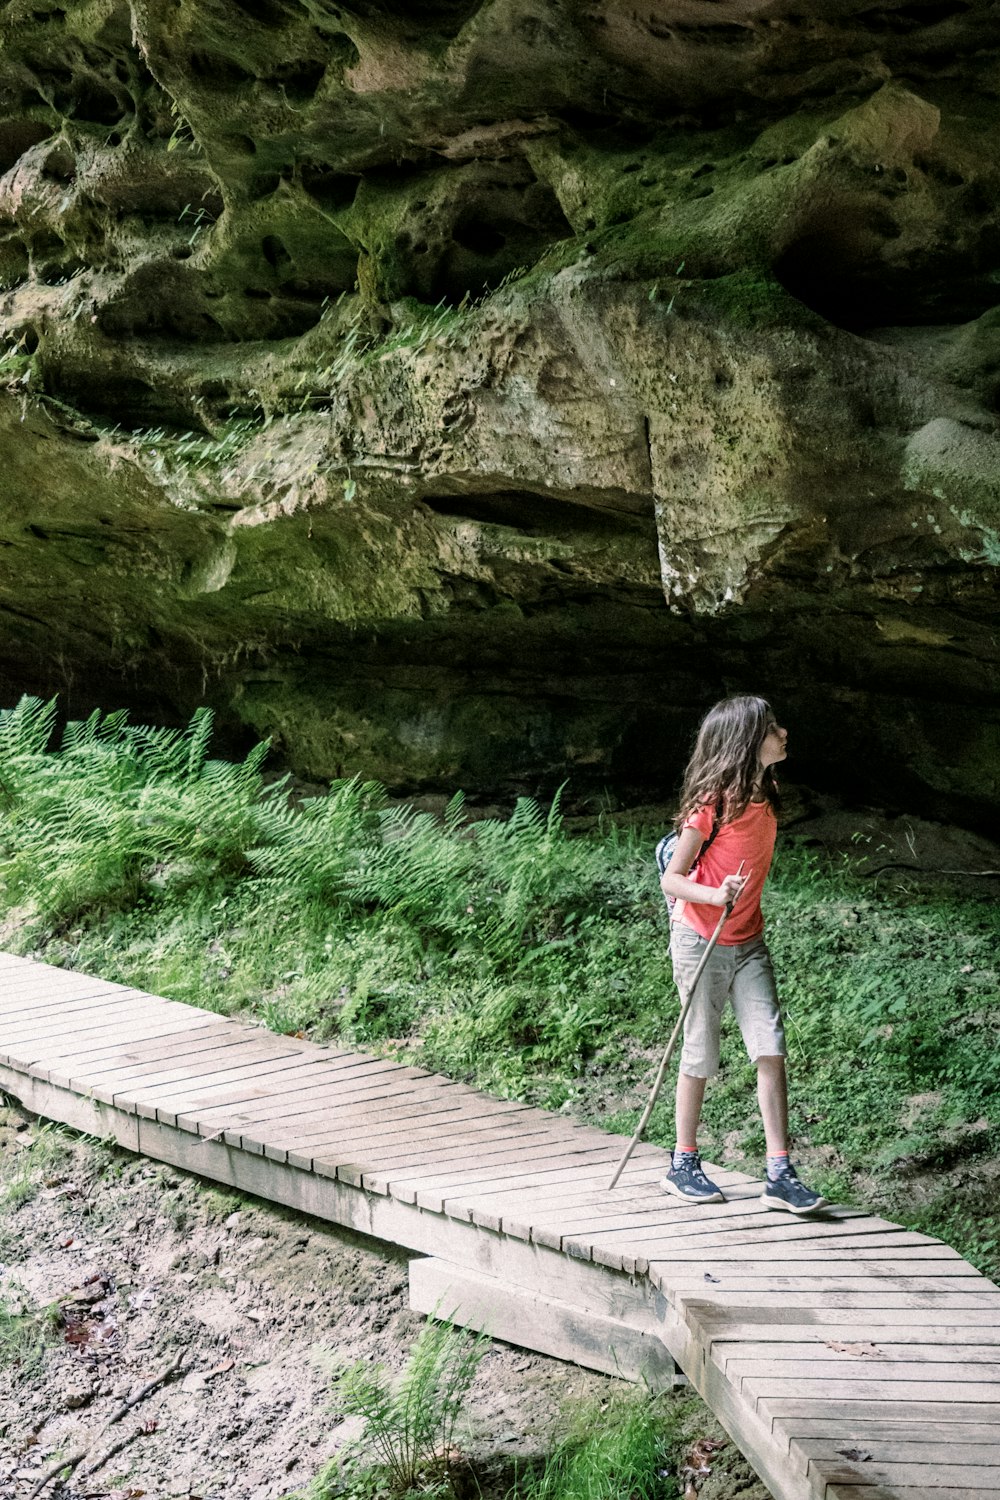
772	1095
687	1112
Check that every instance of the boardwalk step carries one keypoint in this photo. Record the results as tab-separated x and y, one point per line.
548	1325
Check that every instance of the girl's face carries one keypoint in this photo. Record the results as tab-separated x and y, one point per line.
774	745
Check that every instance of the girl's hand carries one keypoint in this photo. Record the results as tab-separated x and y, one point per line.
729	890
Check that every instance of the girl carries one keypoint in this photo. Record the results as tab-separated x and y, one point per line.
727	824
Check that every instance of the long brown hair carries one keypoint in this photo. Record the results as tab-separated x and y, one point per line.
724	769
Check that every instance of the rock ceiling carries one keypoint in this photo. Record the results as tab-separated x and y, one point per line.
468	393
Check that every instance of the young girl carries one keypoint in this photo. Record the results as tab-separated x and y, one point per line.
726	826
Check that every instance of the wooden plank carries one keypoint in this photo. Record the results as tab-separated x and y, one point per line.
770	1319
534	1321
68	1023
19	996
887	1353
486	1151
929	1450
322	1153
206	1116
857	1300
105	1060
234	1065
445	1113
530	1158
419	1133
957	1477
181	1039
819	1283
408	1131
745	1367
735	1213
264	1089
725	1267
439	1188
910	1492
779	1252
891	1336
204	1068
303	1099
75	1001
196	1087
77	993
753	1218
847	1432
966	1392
29	1050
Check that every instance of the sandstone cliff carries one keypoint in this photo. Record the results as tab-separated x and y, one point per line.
467	392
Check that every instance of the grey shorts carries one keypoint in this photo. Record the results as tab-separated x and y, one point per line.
740	972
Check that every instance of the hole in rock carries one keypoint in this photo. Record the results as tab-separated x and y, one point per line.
241	145
299	81
55	272
95	103
263	184
908	17
835	265
17	137
219	71
445	17
125	399
482	239
305	291
535	515
331	190
274	252
257	293
60	165
508	224
29	340
264	12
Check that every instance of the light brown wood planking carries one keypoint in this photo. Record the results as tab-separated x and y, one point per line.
814	1340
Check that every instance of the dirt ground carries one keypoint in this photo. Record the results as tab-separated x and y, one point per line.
124	1266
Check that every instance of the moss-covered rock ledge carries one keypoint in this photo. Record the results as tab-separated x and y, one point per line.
467	392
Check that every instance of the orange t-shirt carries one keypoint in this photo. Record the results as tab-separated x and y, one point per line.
750	838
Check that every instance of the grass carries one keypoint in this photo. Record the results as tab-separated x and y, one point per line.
24	1335
512	954
623	1447
24	1172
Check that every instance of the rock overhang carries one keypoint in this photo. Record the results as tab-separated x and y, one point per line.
524	375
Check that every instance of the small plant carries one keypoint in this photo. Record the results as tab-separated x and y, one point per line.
24	1172
411	1425
23	1335
622	1448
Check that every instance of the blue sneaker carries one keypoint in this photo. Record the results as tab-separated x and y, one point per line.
686	1180
787	1192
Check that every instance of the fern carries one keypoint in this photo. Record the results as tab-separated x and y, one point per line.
118	806
411	1425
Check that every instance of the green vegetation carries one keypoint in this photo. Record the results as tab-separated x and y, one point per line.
623	1447
508	952
410	1425
24	1334
25	1171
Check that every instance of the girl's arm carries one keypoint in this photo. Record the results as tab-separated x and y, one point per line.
674	881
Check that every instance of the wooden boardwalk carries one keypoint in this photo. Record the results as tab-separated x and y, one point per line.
850	1359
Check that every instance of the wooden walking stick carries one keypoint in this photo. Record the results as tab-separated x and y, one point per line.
669	1050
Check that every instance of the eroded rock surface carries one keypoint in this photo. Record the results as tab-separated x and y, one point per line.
467	392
